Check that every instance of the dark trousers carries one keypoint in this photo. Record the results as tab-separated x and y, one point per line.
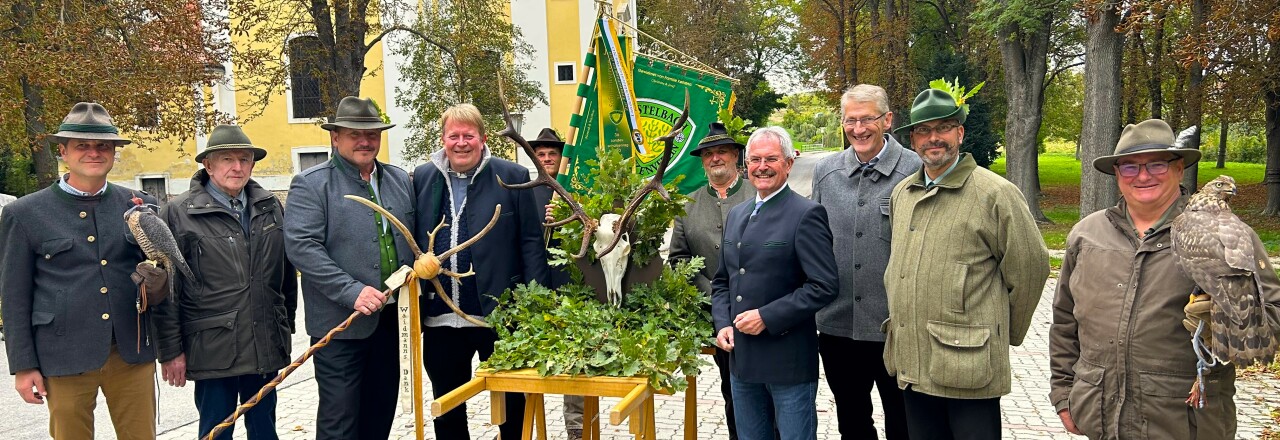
722	359
942	418
359	381
852	367
447	353
217	398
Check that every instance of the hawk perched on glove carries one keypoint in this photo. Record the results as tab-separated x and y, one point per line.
1216	249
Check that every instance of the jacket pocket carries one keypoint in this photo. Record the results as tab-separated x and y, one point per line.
959	355
210	342
1086	398
1165	413
956	277
51	248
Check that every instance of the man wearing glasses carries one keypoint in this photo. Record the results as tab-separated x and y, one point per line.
1117	338
854	186
966	269
776	271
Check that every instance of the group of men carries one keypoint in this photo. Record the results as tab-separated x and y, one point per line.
912	270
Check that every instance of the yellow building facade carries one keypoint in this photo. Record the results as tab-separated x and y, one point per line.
558	30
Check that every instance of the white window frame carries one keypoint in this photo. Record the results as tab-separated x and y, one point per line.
288	84
555	70
299	151
137	182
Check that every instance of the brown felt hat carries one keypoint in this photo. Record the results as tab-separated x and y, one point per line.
88	120
547	138
1145	137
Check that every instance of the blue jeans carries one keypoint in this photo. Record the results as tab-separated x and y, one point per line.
760	408
217	398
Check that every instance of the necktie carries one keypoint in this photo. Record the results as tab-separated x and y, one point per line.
237	206
867	168
757	210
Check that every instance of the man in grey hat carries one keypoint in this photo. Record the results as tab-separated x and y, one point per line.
966	269
345	251
699	232
67	276
1117	341
228	330
854	185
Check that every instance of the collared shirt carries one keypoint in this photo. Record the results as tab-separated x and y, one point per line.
760	202
870	164
1164	218
931	182
62	183
222	198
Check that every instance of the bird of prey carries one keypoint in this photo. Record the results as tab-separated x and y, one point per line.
156	241
1216	249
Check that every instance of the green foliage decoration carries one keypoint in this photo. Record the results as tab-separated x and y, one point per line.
658	330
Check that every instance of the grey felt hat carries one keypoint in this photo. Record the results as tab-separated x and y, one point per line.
1145	137
88	120
230	137
357	114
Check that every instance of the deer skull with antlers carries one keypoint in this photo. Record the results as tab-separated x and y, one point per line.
611	231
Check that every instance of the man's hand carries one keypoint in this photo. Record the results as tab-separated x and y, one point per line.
724	339
749	322
1065	415
30	385
175	371
549	218
1197	311
369	301
148	275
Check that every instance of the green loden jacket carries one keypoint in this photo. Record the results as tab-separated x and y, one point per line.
966	270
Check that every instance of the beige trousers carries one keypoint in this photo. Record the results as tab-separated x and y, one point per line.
130	392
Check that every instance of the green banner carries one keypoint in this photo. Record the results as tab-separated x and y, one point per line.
659	90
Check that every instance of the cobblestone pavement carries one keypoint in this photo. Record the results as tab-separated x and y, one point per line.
1027	412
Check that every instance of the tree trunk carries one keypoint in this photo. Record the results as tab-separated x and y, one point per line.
1271	98
1024	54
1195	99
33	111
1222	142
1156	69
1100	130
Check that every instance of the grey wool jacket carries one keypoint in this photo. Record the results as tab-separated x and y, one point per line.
334	241
857	203
699	232
64	277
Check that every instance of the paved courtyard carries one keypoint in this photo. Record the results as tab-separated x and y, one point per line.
1027	412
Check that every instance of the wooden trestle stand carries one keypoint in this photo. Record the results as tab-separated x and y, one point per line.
637	401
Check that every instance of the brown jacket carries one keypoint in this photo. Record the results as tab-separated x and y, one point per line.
1121	360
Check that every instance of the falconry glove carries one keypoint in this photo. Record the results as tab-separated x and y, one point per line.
1197	311
153	280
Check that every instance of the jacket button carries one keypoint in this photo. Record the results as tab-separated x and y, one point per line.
1120	285
48	256
857	266
91	239
717	245
106	316
857	234
913	228
104	262
742	270
862	202
83	214
739	298
739	245
857	298
103	289
719	226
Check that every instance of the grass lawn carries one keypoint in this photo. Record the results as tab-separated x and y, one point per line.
1060	186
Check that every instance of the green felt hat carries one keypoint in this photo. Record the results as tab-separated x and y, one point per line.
230	137
88	120
932	105
1145	137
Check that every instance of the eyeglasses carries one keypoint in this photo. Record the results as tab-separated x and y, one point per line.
940	129
854	122
1154	168
769	160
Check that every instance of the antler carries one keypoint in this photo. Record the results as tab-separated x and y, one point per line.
655	184
588	224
